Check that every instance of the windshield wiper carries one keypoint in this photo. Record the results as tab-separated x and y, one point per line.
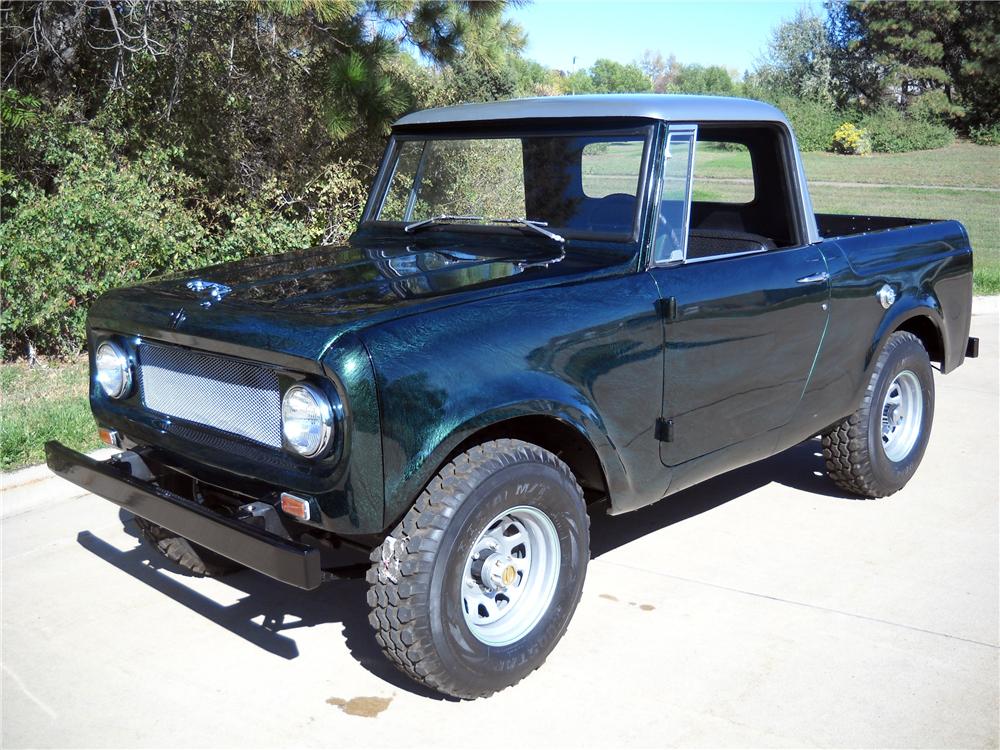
538	226
532	224
442	219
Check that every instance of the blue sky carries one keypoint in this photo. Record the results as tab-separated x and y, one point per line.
722	33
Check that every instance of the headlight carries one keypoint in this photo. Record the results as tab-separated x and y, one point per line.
306	420
114	372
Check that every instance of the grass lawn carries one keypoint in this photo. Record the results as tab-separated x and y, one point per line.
44	403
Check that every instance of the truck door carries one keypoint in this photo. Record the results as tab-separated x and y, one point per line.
742	322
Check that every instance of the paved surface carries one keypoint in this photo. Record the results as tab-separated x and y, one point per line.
760	609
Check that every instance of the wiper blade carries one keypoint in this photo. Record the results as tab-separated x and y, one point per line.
442	219
537	226
532	224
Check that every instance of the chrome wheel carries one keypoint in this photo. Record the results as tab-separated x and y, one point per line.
902	414
510	576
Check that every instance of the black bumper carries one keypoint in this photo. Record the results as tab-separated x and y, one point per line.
281	559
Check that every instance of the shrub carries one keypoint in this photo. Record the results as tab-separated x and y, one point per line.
110	223
850	139
893	132
986	135
814	122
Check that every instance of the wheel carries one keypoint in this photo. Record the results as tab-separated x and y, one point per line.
193	557
876	450
478	582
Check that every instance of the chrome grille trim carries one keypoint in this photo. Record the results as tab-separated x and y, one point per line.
237	397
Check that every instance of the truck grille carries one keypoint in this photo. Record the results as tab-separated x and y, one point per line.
230	395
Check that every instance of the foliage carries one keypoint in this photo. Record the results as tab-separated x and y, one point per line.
850	139
814	122
142	135
799	59
986	135
610	77
937	59
110	221
661	71
698	79
892	132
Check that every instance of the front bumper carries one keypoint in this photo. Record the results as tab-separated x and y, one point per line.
282	559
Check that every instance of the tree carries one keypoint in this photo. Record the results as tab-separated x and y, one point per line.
662	72
610	77
698	79
934	58
798	60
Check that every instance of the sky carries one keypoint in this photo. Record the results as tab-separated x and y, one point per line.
731	34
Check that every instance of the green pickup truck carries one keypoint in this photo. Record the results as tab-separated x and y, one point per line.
543	314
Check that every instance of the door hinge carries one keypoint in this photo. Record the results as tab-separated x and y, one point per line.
667	307
665	430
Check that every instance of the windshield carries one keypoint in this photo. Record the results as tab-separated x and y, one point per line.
576	184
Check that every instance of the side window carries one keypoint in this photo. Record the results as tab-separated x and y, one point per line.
670	240
723	173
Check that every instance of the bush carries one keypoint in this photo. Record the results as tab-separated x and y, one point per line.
814	123
986	135
893	132
850	139
110	223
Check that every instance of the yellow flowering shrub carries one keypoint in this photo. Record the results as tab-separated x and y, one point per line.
850	139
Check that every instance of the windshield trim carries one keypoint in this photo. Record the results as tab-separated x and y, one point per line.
387	171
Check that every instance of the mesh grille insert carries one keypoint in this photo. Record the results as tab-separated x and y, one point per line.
227	394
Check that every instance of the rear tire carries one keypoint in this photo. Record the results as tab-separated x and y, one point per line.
190	556
876	450
478	582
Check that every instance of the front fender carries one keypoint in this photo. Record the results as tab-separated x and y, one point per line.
589	355
519	399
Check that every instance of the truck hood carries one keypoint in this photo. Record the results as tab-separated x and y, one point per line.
298	304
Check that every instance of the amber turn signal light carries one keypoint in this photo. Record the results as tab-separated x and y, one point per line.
109	436
295	506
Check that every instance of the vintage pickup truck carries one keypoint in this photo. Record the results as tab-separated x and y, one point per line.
546	310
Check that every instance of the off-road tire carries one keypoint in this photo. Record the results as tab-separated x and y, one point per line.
855	458
415	578
190	556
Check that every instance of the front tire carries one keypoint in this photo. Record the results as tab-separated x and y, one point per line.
875	451
478	582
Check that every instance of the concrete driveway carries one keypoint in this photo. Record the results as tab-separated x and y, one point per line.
762	608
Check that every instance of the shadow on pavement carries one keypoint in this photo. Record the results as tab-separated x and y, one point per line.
801	467
269	611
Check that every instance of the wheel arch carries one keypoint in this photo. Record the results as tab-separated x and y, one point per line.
591	458
922	319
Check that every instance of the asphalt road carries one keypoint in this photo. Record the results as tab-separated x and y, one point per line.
762	608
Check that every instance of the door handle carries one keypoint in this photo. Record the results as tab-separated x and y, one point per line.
814	278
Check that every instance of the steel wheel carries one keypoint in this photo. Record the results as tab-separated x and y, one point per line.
510	576
902	413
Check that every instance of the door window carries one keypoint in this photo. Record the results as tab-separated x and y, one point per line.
670	243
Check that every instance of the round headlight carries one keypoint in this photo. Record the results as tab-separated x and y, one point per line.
306	420
114	372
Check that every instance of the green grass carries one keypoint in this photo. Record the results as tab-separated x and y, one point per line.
43	403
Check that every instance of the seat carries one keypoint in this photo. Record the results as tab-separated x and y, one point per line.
706	243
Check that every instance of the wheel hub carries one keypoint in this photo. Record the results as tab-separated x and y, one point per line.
902	412
511	575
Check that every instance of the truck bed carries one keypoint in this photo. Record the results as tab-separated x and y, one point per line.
842	225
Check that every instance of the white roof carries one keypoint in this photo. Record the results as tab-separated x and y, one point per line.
670	107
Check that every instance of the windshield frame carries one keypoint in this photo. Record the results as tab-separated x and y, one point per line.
645	130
